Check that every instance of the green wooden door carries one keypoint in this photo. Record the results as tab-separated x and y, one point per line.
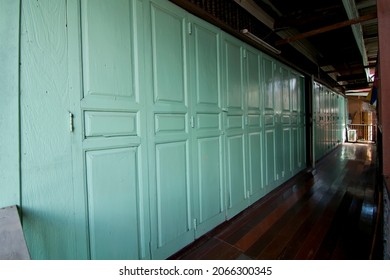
254	123
295	109
169	117
234	107
322	121
278	126
286	121
328	133
301	114
206	125
269	123
298	145
114	124
316	120
342	119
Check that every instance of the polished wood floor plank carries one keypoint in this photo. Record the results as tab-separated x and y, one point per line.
266	238
321	228
282	238
214	249
297	241
292	238
331	238
268	221
245	222
317	232
327	213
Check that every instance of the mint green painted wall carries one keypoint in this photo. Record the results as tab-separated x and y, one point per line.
50	187
9	104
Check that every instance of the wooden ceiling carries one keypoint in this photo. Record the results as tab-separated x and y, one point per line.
334	40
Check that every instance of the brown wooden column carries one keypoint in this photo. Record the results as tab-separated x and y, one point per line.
383	8
384	82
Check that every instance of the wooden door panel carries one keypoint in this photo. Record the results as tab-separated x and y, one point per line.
172	192
233	71
107	70
287	148
112	194
205	47
295	148
268	74
236	171
168	56
255	162
108	124
209	168
270	163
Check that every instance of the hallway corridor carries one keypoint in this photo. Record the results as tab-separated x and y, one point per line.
326	213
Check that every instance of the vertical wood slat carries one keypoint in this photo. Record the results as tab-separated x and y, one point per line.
49	213
9	105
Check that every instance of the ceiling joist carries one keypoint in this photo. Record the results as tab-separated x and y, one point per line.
326	29
353	77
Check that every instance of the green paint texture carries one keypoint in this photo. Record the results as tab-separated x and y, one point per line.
9	105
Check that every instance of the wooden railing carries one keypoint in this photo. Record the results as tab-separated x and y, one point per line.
364	132
12	243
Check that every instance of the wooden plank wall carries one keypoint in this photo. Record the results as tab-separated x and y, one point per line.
9	104
48	195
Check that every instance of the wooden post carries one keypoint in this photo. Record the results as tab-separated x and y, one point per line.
383	8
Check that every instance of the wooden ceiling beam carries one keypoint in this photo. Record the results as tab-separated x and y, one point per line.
301	18
353	77
351	69
354	86
326	29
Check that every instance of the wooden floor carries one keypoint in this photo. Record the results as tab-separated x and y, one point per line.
326	213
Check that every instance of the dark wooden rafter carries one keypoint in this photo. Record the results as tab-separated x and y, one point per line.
326	29
353	77
349	60
300	18
351	69
355	86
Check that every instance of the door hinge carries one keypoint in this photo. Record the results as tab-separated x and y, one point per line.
192	121
71	125
190	28
244	53
195	221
